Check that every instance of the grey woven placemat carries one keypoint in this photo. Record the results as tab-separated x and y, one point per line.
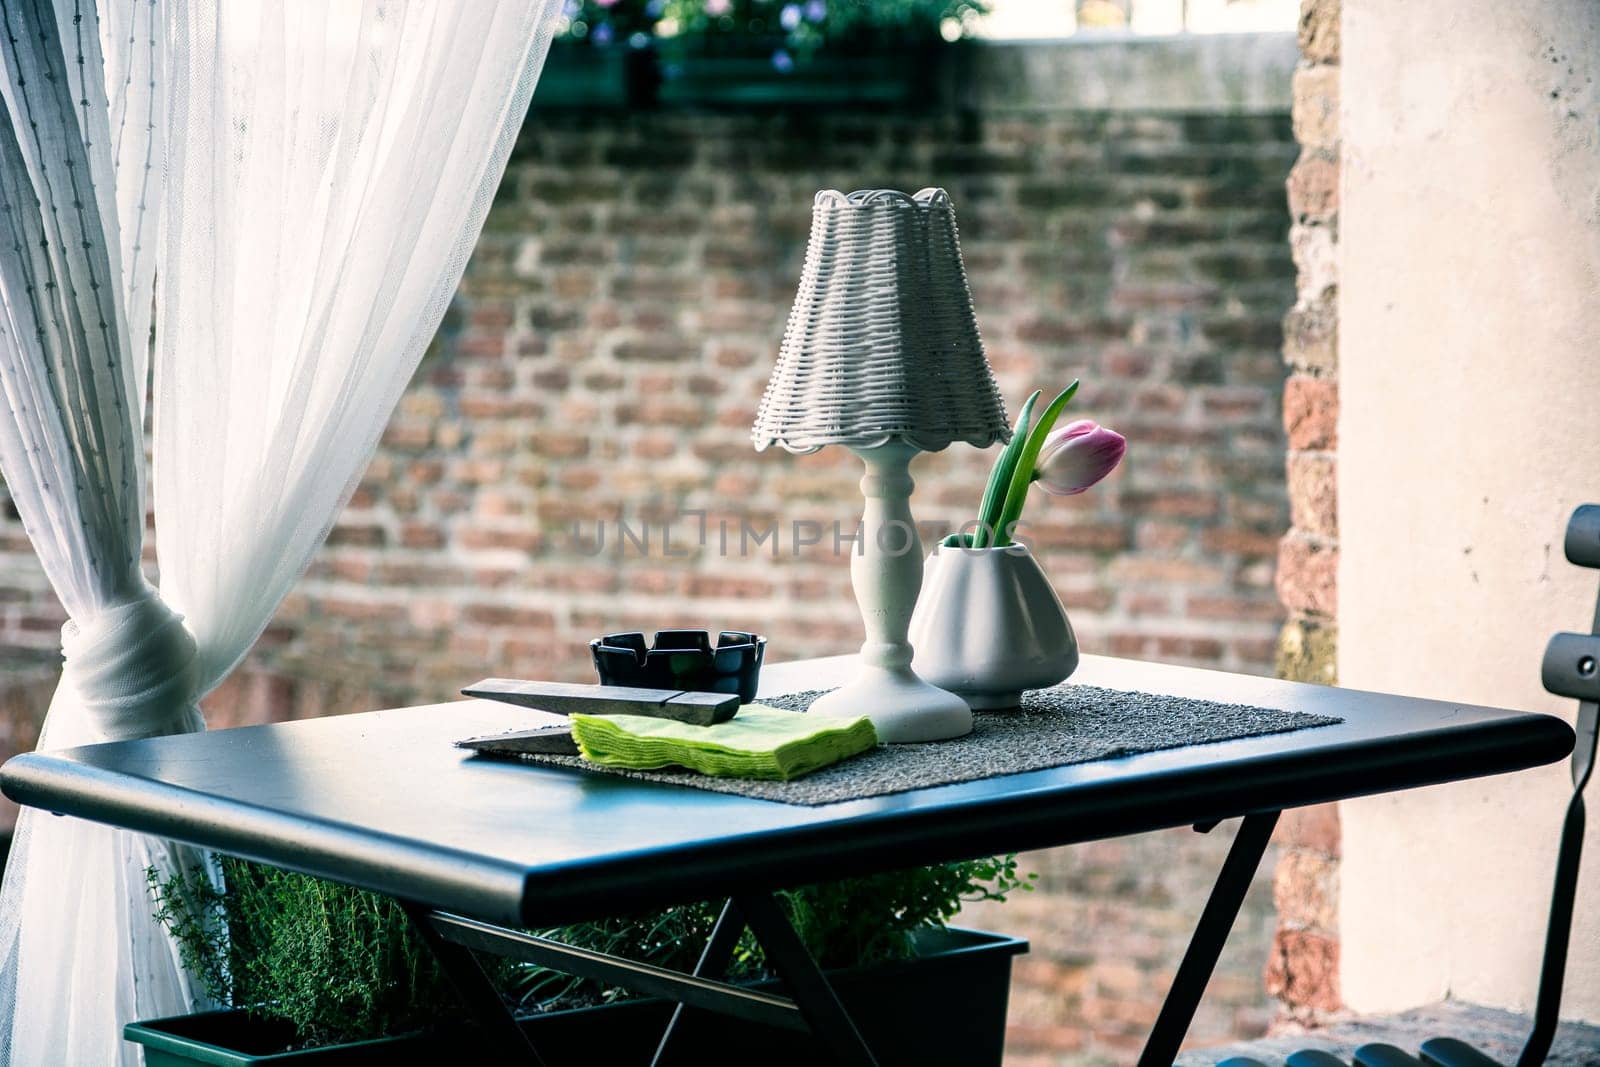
1054	727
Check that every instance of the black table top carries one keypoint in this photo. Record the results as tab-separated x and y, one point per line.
383	800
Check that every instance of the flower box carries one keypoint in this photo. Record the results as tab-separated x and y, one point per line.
758	74
578	76
947	1004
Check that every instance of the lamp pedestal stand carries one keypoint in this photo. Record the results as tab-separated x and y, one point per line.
886	573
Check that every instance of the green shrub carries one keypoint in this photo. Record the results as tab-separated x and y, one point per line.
842	924
341	964
802	27
337	963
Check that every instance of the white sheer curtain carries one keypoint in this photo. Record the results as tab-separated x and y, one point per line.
304	180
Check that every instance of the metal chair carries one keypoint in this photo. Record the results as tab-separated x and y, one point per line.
1571	668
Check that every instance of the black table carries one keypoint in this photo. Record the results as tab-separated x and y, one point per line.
383	801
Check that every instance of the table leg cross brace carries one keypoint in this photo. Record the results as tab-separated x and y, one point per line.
1210	934
813	1006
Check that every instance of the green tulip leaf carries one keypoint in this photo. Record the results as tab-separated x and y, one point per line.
1022	476
994	495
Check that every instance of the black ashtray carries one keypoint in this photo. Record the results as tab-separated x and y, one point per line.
682	660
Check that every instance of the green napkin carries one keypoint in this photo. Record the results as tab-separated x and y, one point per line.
760	742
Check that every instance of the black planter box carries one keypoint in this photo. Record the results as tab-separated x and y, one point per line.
946	1005
701	75
582	77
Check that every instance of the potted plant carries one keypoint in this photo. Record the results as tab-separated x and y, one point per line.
601	58
319	973
988	625
792	53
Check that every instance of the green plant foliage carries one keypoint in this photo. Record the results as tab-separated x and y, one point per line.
337	963
340	964
630	22
849	923
796	28
873	919
807	26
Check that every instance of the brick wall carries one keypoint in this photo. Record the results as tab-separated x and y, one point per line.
1304	968
1107	927
616	327
603	361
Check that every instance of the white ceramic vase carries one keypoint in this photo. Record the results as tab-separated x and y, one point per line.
988	625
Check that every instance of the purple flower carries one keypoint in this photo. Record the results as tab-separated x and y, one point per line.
816	10
1078	455
782	61
602	34
789	17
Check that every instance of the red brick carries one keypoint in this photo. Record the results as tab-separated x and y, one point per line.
1233	608
360	610
1089	536
1166	536
1303	970
1308	572
348	569
658	351
1051	1038
479	406
508	616
421	535
481	346
1189	648
481	538
1234	404
1254	649
720	586
364	535
1237	541
1176	503
662	413
1140	605
1311	412
1086	599
1313	187
410	575
560	445
1164	572
1125	363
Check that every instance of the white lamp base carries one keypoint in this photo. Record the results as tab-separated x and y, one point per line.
903	708
886	574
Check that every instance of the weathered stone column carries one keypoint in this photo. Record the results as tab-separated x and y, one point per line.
1303	970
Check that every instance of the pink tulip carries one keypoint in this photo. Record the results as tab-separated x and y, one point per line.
1078	455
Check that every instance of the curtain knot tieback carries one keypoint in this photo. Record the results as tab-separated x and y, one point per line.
134	666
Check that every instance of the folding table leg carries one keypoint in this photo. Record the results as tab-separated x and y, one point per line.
1210	934
713	963
818	1004
482	1000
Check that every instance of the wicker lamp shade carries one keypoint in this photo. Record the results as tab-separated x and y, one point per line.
881	343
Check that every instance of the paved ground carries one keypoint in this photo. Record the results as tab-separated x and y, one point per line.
1498	1033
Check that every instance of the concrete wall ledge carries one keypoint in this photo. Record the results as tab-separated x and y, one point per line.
1245	73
